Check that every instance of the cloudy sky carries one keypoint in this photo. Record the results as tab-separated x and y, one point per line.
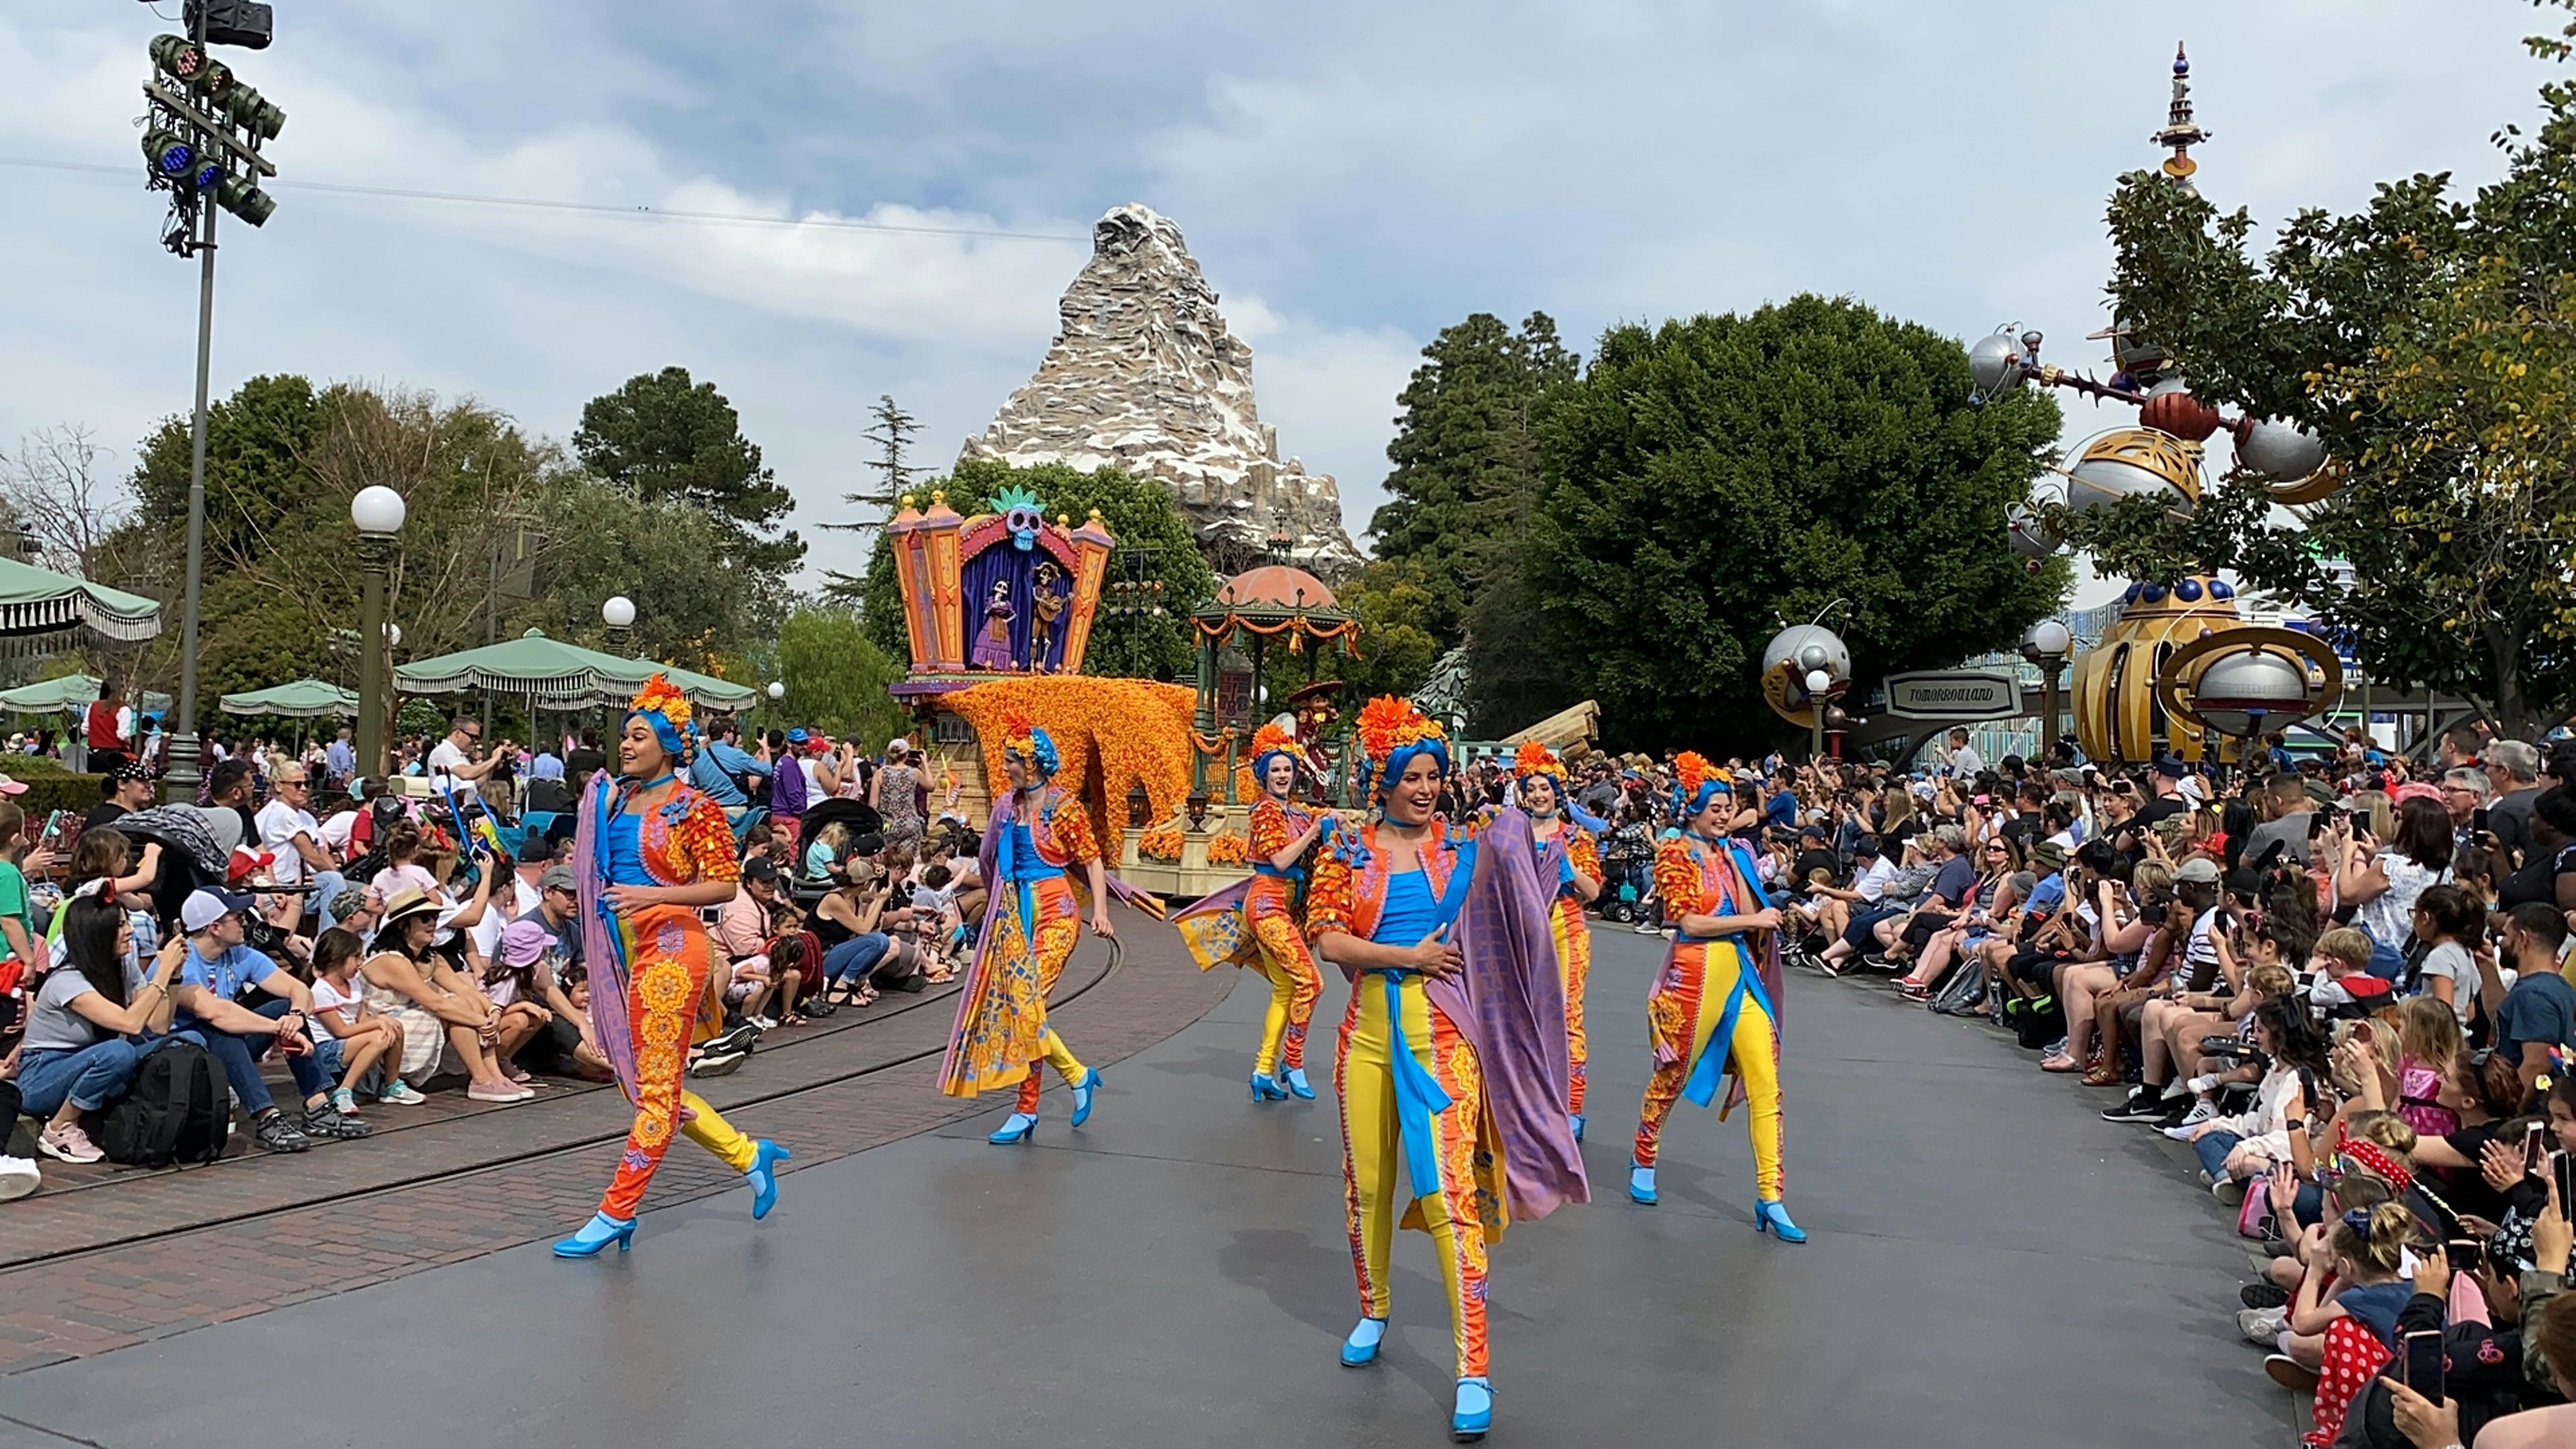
1351	176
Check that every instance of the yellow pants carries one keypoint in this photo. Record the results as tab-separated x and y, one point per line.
1373	1183
1295	985
1682	1015
1574	967
1059	924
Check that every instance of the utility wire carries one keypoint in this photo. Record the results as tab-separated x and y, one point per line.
598	208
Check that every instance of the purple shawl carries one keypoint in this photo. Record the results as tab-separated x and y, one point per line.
603	951
1510	1003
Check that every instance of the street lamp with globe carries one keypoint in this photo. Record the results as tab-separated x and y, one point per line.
378	512
2046	646
619	615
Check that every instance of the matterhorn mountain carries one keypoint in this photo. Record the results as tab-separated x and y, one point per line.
1144	376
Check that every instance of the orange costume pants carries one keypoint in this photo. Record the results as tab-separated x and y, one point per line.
1059	924
1296	983
666	969
1683	1017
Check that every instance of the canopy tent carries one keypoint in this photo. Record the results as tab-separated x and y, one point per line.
40	601
553	674
70	694
297	699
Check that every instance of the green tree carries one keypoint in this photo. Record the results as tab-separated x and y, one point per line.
256	443
1711	480
836	676
1151	532
1466	477
2430	341
1395	606
665	436
600	540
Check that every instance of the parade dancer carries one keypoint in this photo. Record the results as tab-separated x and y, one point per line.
1037	833
1716	1002
649	853
1568	851
1259	923
1451	1044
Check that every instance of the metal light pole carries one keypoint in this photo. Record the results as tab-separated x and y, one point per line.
179	782
378	511
2047	646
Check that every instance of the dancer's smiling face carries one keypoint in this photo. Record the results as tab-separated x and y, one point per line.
1711	819
1538	795
1281	777
1415	793
640	754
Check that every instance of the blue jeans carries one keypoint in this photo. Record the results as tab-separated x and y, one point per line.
852	960
239	1057
89	1078
1861	935
2213	1148
326	885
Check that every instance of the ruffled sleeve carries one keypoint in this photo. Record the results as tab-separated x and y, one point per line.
1330	897
1071	827
1583	851
1677	879
703	840
1269	832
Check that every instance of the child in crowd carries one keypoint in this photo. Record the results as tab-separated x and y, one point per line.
353	1039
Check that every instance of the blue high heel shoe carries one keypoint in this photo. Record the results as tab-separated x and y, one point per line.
1294	1079
1578	1126
1360	1349
1266	1088
1082	1095
1018	1127
1475	1412
597	1234
1641	1184
764	1181
1767	1213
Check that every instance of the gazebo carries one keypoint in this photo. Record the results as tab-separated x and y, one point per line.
555	674
36	601
297	699
1274	603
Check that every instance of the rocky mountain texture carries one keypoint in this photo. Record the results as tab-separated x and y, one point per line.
1144	376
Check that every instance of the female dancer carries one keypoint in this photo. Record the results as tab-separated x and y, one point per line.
1716	1003
1578	880
1445	943
1257	923
1037	831
648	855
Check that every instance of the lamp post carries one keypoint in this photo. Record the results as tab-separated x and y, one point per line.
2047	646
619	615
378	512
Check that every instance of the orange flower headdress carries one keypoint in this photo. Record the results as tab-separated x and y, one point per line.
1392	731
666	709
1535	761
1022	737
1279	737
1695	783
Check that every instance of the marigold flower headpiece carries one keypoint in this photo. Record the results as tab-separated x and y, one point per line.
1025	739
1276	738
1536	761
1695	783
1392	730
666	708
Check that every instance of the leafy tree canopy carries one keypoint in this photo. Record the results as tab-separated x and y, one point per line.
663	436
1711	480
1395	604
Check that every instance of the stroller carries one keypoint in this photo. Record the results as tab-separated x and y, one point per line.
856	816
1627	872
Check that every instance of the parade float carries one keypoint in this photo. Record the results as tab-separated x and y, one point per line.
2181	662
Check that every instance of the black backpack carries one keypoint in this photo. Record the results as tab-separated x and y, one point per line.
175	1111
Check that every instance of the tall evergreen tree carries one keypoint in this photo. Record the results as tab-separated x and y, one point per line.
663	435
892	433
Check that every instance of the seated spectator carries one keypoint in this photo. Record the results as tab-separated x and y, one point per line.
353	1039
293	838
124	790
517	979
216	971
79	1052
2538	1015
438	1009
2235	1150
858	950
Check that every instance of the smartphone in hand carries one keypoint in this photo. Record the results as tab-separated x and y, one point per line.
2535	1139
2425	1363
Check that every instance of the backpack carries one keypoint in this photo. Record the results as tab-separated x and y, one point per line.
175	1111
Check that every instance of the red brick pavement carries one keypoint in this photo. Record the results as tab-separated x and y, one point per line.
264	1233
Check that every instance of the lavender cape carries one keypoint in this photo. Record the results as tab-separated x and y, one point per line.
603	950
1510	1003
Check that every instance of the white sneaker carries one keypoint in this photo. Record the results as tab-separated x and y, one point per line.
2201	1111
764	1023
18	1176
2179	1134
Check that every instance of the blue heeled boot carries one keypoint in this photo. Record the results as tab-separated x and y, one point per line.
1475	1412
1767	1213
1578	1126
1018	1127
596	1235
1360	1349
1266	1088
1641	1184
1294	1079
763	1180
1082	1095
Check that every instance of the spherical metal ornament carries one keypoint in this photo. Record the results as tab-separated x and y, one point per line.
1813	657
2174	410
1785	667
2188	591
2221	590
2134	463
2281	451
1995	363
2238	692
2030	537
2152	594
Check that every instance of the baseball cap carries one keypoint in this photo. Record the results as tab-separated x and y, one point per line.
898	745
2169	766
9	786
796	736
1865	847
205	907
759	867
247	862
131	770
556	878
2197	871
